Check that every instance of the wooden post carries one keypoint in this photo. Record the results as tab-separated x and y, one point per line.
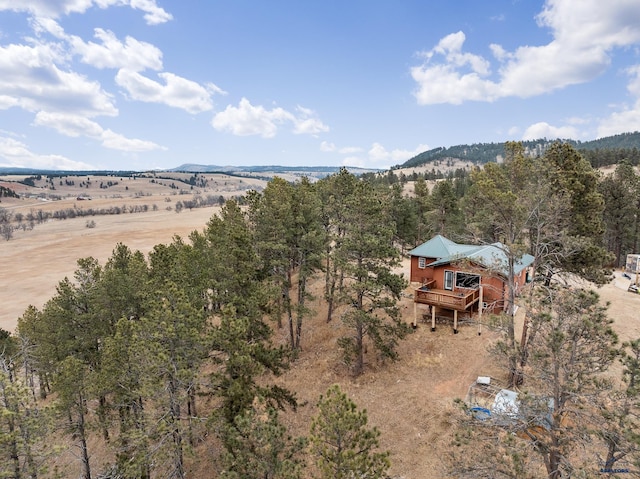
415	315
455	321
433	318
480	303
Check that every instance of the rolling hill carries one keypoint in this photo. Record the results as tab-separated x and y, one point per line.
481	153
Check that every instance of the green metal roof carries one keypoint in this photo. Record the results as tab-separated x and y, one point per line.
440	247
489	256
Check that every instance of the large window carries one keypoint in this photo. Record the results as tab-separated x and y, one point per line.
467	280
448	280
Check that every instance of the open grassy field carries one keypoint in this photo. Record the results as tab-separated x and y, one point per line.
35	260
410	401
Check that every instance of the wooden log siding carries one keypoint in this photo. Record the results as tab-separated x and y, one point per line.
443	298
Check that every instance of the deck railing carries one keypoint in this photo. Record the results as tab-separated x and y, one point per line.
460	300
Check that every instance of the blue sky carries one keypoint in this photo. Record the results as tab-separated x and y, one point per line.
142	84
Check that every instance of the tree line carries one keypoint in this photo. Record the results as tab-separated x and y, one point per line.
153	354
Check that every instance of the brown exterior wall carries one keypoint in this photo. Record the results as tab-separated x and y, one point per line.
419	275
494	289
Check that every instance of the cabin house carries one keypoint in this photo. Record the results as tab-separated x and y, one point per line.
462	279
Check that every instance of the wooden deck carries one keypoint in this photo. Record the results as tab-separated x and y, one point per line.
460	300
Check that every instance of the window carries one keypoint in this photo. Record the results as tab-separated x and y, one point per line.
448	280
467	280
422	262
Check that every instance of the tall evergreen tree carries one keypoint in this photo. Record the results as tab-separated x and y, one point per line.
174	338
73	387
571	175
123	377
499	207
307	248
574	345
552	422
289	242
445	215
242	362
621	193
271	214
24	424
226	250
620	426
260	448
404	214
367	257
334	192
341	443
422	201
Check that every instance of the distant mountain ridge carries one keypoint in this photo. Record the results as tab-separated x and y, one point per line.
267	171
273	169
481	153
478	153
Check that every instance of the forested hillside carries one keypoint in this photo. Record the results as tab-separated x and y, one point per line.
602	152
168	360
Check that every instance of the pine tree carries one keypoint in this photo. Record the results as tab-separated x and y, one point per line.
243	362
334	192
620	426
123	377
621	193
24	425
173	336
570	175
342	445
72	385
258	447
573	347
367	257
445	215
554	419
289	240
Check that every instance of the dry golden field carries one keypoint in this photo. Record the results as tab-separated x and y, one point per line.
410	401
34	261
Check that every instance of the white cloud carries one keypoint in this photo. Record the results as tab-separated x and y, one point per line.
69	125
627	119
457	79
247	119
349	150
176	91
7	102
75	126
345	150
379	153
355	161
621	122
544	130
153	14
112	53
379	157
327	146
17	154
132	57
583	37
498	52
306	123
116	141
38	75
31	79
